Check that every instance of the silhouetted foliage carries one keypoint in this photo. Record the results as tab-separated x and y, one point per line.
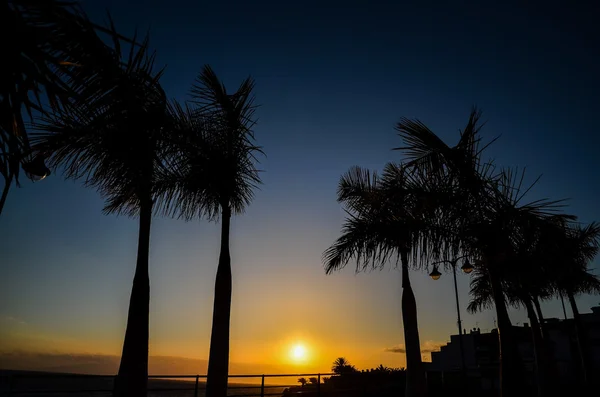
387	220
55	54
212	174
342	366
115	143
444	202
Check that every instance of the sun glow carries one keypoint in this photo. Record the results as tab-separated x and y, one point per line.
298	352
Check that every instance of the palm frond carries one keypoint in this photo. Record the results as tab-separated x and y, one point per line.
113	141
57	50
214	164
481	294
387	216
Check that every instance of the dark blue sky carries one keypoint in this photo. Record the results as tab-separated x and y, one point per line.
332	78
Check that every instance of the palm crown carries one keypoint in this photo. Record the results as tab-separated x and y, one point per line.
214	165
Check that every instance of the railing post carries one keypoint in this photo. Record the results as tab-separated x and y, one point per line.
196	388
114	386
262	386
10	384
318	385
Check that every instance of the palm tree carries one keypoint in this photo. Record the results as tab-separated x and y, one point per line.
55	49
556	261
382	369
517	294
302	381
114	142
342	366
213	175
573	253
481	216
387	218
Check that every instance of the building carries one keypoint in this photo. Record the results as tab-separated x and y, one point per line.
563	343
481	350
481	355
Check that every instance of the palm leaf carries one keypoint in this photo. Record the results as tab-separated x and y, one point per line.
113	141
213	163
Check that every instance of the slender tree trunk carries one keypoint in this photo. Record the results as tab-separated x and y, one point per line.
7	183
415	374
582	345
218	360
539	349
132	379
552	374
538	310
511	373
562	301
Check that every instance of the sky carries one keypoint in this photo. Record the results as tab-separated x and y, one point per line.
332	79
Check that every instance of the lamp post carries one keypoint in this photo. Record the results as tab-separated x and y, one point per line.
435	274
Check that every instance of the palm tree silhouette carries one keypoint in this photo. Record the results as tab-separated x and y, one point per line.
342	366
114	142
213	175
573	253
56	51
388	218
302	381
478	213
516	294
555	261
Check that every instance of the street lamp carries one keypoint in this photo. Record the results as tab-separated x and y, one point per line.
35	169
467	268
435	273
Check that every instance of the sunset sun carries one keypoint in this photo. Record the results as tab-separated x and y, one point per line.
298	352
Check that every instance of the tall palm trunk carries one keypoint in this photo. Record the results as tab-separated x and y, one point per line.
540	314
132	379
562	301
511	378
539	350
582	345
218	360
415	375
7	183
552	374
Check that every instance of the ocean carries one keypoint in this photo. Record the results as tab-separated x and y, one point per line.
32	384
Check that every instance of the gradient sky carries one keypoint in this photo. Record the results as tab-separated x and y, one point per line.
332	81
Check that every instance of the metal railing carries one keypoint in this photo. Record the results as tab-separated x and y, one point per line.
99	385
360	384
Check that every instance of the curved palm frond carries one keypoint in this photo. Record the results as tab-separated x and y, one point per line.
356	187
113	141
386	215
431	155
369	243
572	254
58	51
214	164
235	110
482	297
342	366
481	294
